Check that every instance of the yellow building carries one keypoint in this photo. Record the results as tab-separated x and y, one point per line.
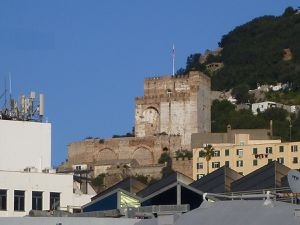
243	150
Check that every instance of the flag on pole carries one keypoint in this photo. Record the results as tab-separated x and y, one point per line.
173	59
173	52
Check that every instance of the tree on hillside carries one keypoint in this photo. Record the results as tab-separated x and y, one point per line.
241	94
193	63
289	11
253	52
166	159
181	71
207	153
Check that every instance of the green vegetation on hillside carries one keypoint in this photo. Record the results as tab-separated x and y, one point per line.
255	53
224	113
284	97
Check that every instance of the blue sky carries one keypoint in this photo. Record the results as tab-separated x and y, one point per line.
90	57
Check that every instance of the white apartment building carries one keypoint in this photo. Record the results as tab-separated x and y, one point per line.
21	192
26	179
262	106
24	144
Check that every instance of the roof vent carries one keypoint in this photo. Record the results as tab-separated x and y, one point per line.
268	202
31	169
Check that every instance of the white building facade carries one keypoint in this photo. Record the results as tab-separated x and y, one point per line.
262	106
21	192
24	144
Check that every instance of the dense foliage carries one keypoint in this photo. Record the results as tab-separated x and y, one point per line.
254	53
166	159
224	113
99	180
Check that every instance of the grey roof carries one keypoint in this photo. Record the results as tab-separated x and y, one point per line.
250	212
110	193
129	184
218	181
67	221
165	181
171	185
198	139
268	176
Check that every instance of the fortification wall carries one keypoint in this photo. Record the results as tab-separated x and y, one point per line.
184	166
145	150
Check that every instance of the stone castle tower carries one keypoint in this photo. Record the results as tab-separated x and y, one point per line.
175	105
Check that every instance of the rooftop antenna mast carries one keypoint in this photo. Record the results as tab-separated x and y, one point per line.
5	90
9	76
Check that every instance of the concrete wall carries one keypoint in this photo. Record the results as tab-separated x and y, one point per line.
28	182
231	136
67	221
184	166
203	106
24	144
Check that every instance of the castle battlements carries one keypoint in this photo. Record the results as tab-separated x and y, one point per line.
163	98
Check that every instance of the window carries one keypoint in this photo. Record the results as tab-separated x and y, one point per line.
280	160
269	150
294	148
254	151
3	199
295	160
242	143
199	166
78	168
255	162
54	200
226	152
19	200
199	176
239	163
270	160
216	153
37	200
227	163
216	165
281	148
239	152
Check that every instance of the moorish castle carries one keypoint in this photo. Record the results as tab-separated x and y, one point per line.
172	108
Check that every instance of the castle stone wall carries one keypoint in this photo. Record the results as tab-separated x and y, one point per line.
174	105
145	150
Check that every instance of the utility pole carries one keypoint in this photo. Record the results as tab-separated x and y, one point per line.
290	126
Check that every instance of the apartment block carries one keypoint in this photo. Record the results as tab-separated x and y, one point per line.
242	150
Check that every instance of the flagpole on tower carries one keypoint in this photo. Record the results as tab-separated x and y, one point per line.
173	59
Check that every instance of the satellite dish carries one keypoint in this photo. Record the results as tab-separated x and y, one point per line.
294	180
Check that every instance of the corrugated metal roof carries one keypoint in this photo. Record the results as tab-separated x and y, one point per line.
268	176
129	184
250	212
218	181
165	181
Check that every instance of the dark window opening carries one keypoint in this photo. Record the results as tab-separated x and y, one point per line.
19	200
54	200
3	199
37	200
